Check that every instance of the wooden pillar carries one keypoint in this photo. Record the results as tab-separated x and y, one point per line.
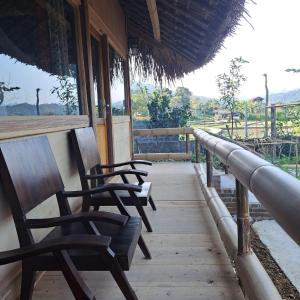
273	122
107	96
128	102
209	168
266	105
187	139
87	57
243	219
197	150
297	156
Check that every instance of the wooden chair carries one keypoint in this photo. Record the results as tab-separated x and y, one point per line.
91	174
91	241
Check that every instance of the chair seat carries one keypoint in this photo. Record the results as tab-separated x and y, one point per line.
105	199
123	244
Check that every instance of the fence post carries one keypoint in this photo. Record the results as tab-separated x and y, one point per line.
209	168
197	150
243	219
187	138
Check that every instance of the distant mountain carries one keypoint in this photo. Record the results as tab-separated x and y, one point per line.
285	97
26	109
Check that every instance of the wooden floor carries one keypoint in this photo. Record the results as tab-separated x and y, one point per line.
189	260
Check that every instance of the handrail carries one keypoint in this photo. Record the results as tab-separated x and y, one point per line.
278	191
162	131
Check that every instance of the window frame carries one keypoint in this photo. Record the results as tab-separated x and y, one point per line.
126	94
101	106
18	126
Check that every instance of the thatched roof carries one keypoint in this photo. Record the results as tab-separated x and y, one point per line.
191	33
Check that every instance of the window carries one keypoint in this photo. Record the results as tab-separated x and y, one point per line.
117	84
96	75
38	59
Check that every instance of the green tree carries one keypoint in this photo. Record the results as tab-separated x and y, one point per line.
139	102
182	97
66	92
229	86
162	114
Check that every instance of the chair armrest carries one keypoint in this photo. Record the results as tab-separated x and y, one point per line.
80	217
81	241
119	172
109	187
131	162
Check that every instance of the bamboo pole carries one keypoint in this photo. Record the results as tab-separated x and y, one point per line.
266	104
197	150
152	8
187	138
243	220
209	168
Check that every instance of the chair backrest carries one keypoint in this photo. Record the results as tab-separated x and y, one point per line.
29	174
86	149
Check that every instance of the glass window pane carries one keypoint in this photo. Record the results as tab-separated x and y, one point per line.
117	84
96	76
38	59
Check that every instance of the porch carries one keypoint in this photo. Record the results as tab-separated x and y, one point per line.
189	259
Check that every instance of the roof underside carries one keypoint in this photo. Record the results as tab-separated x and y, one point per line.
192	32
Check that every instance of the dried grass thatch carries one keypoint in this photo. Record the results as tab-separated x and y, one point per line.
192	32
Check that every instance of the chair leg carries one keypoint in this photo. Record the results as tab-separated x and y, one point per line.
123	283
77	285
152	203
28	278
144	217
144	248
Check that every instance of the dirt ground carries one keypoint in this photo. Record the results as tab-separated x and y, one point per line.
283	284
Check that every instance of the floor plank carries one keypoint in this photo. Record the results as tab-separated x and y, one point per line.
189	261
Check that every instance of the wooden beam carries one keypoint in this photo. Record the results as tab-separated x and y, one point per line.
107	97
152	42
163	156
162	131
88	65
152	8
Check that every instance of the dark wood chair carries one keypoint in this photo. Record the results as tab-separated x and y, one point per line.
86	241
91	174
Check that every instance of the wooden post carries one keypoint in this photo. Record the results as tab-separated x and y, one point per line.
296	150
187	138
87	55
107	96
226	169
273	131
197	150
209	168
246	119
37	101
266	105
243	220
273	122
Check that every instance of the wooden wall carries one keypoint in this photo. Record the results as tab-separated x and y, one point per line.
107	16
122	138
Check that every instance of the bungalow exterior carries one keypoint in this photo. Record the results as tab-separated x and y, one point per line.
66	64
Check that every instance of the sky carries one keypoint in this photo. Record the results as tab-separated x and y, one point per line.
272	46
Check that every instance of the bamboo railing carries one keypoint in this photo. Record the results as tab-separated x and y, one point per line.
276	190
279	193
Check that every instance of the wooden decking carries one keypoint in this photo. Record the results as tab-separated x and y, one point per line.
189	261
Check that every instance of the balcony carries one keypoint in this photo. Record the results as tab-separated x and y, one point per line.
189	259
